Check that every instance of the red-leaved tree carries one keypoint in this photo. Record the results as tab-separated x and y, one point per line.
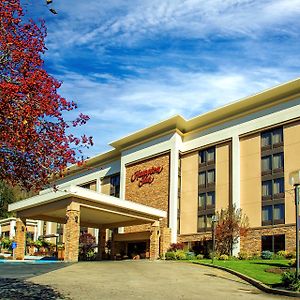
232	224
33	132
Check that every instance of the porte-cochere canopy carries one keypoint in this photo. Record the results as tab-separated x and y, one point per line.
76	206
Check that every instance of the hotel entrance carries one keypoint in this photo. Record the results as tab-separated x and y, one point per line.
139	249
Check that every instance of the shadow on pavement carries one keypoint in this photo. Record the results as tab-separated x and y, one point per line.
15	289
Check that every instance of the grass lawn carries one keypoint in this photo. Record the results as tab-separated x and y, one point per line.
253	268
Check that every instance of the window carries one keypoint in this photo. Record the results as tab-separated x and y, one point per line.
267	188
207	178
210	199
273	214
204	222
267	214
273	189
202	178
272	138
211	177
207	156
278	186
90	185
115	185
277	161
266	164
206	200
273	243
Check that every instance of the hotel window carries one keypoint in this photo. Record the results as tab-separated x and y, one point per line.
273	243
90	186
206	181
115	185
272	139
272	176
207	156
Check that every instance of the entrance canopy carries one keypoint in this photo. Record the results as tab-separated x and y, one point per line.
96	210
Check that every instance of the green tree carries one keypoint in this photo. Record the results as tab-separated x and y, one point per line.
7	196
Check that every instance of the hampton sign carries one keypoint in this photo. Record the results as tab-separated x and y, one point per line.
145	176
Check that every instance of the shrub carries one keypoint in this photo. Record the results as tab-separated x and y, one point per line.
176	246
200	256
180	255
243	255
266	254
290	281
170	255
290	254
255	255
6	243
292	263
190	255
282	253
276	256
1	256
223	257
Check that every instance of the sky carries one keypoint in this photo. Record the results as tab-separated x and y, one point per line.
130	64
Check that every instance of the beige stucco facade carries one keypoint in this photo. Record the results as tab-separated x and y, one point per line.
251	178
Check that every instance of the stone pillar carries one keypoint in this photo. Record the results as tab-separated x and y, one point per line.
165	241
154	241
20	238
101	242
72	231
113	246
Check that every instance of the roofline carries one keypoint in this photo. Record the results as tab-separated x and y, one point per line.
253	103
79	192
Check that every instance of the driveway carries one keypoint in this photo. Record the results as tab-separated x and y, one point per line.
148	280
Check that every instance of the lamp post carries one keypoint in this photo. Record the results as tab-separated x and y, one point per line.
214	220
295	181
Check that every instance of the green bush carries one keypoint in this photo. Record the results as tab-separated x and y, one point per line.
190	255
290	254
180	255
282	253
290	281
223	257
266	254
200	256
6	243
275	256
170	255
243	255
292	263
1	256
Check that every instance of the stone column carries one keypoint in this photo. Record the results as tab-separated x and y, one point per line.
165	240
154	241
113	246
20	238
101	242
72	231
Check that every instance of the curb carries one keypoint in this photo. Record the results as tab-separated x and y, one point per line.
254	282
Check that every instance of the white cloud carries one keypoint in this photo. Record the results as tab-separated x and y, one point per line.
126	105
95	24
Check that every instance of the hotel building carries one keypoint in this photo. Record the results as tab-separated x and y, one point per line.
163	184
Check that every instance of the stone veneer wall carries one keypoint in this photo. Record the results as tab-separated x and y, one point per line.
197	237
252	242
155	194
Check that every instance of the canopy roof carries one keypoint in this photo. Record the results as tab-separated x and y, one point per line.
96	209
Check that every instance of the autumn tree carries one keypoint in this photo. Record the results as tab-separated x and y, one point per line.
232	224
7	196
34	138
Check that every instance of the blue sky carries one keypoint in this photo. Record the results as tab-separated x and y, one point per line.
129	64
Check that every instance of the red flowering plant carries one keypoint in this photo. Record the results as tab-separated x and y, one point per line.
33	132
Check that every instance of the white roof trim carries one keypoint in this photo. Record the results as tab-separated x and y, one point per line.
90	195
